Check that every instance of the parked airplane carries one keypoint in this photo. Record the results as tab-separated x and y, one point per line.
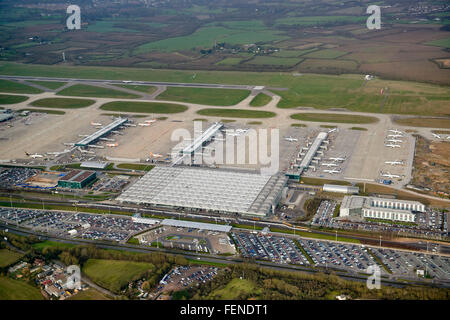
150	121
395	131
112	145
329	164
394	140
395	135
95	123
155	155
436	135
127	81
388	175
34	156
337	159
394	162
144	124
290	139
392	145
332	130
331	171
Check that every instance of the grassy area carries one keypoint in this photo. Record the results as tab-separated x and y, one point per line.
18	290
9	99
15	87
229	61
254	122
144	89
358	128
51	244
444	43
89	294
315	235
326	54
234	289
83	90
143	107
301	125
333	117
49	84
115	274
133	166
274	61
424	122
312	90
64	103
207	96
206	263
8	257
235	113
261	99
57	112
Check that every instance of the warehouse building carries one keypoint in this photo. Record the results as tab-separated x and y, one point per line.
380	208
76	179
213	190
340	189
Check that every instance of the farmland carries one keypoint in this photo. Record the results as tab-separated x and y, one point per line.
8	257
18	290
207	96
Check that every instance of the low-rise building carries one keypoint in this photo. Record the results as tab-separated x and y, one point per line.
380	208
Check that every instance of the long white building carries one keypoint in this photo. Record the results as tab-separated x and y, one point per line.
380	208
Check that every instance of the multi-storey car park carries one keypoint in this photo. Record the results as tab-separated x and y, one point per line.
213	190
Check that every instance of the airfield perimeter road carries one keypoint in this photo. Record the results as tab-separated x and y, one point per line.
218	259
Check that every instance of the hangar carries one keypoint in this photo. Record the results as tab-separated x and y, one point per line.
221	191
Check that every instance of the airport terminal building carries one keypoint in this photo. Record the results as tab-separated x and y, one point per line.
380	208
213	190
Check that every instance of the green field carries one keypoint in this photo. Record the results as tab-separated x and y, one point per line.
320	20
49	84
8	257
63	103
261	99
89	294
18	290
274	61
82	90
15	87
235	113
140	88
9	99
312	90
115	274
444	43
325	54
207	96
143	107
358	128
234	289
333	117
231	32
229	61
52	244
133	166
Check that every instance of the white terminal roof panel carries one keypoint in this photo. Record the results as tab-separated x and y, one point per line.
100	133
209	189
196	225
313	149
205	136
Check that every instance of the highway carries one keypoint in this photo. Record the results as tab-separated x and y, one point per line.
150	83
213	258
